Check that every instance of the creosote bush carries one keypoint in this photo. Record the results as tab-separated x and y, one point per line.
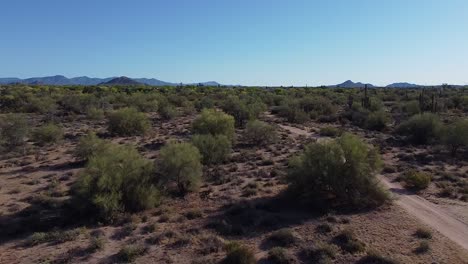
330	131
260	133
416	180
116	179
239	254
421	129
213	149
377	120
13	131
89	145
455	135
337	173
214	122
47	134
128	122
179	163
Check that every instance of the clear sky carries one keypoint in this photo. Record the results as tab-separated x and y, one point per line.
250	42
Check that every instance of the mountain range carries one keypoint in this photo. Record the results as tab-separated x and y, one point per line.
84	80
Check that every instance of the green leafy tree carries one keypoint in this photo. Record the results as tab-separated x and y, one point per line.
213	149
336	173
215	123
179	163
116	179
456	135
128	122
421	129
260	133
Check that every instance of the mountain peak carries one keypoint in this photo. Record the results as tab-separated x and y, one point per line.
122	80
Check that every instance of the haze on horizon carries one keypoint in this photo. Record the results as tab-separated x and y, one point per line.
239	42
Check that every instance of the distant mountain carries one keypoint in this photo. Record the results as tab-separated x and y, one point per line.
84	80
351	84
122	81
403	85
154	82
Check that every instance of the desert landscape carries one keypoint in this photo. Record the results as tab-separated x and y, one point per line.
126	172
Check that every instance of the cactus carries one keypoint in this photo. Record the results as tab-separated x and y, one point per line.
366	100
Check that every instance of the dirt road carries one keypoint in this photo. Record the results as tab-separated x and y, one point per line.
429	213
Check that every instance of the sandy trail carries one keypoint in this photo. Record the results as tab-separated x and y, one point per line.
429	213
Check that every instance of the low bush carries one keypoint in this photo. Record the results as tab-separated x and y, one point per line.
238	254
260	133
128	122
214	122
179	163
167	112
348	242
130	253
377	120
279	255
423	247
321	253
94	113
337	173
374	257
47	134
421	129
416	180
284	237
423	233
116	179
213	149
88	146
330	132
14	130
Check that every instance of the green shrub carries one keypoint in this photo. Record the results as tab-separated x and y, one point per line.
179	163
284	237
94	113
47	134
421	129
213	149
348	242
374	257
423	233
416	180
130	253
243	110
215	123
128	122
167	112
330	132
97	244
88	146
260	133
14	129
321	253
338	172
411	108
377	120
423	247
116	179
239	254
456	135
279	255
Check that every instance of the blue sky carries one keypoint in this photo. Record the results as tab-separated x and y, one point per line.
250	42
